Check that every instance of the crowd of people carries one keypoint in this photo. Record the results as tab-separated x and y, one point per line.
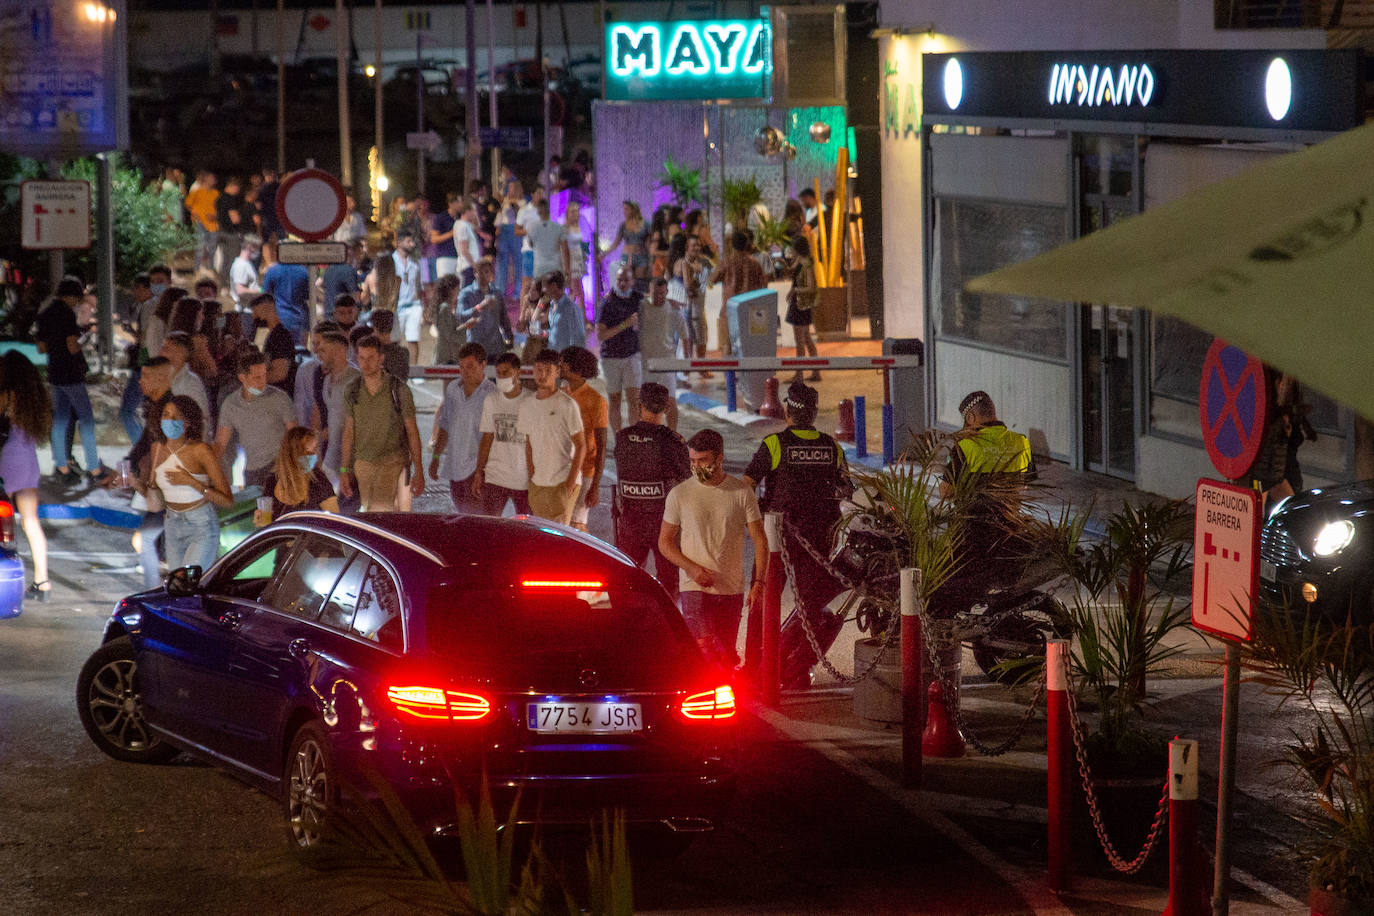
233	384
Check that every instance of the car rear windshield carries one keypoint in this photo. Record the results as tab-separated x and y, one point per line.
544	638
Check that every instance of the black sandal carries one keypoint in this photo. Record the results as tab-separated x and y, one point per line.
37	593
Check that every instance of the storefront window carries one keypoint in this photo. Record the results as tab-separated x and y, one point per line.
975	237
1177	352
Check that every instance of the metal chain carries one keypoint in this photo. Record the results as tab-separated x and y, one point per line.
947	688
1113	857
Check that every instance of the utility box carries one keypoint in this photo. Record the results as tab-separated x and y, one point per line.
753	318
908	391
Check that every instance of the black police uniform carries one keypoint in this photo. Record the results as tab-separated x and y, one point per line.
650	459
803	473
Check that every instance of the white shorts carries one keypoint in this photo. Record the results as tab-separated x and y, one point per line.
621	373
408	316
445	267
666	379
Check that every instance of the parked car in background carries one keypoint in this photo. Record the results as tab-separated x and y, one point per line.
430	651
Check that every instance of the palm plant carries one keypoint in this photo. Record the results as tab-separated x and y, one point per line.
770	233
1329	671
683	184
739	197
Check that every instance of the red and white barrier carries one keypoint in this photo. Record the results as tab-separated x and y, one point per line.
1188	894
776	363
1061	764
913	712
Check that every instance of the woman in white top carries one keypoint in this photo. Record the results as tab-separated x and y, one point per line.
577	252
191	484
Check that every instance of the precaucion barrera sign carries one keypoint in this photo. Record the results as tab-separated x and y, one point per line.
1225	559
55	214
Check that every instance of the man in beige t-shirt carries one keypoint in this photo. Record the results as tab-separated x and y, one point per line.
704	523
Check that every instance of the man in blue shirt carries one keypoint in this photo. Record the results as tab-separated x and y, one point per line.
457	432
482	301
409	308
567	324
289	286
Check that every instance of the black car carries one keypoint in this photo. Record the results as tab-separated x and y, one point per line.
1317	553
429	650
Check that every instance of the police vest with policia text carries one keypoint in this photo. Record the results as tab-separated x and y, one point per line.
807	473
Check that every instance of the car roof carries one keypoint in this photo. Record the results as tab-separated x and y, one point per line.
463	540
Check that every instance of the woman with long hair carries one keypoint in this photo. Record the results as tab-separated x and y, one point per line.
800	300
190	485
577	252
382	287
634	235
696	225
26	411
297	482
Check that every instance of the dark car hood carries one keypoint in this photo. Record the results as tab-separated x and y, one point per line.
1305	513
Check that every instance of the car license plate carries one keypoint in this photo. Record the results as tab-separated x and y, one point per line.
1268	572
585	718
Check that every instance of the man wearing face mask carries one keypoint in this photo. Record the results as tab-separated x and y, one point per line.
705	519
457	432
617	327
259	414
501	474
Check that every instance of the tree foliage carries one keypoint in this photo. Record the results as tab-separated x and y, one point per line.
144	230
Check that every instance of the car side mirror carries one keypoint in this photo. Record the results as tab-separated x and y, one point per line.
183	581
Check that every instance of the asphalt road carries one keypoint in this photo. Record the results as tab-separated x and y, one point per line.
819	825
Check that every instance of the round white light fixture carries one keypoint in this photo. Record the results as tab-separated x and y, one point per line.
1278	89
954	83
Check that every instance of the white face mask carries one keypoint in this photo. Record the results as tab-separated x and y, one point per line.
506	385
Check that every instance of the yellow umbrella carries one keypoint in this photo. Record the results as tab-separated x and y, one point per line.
1278	261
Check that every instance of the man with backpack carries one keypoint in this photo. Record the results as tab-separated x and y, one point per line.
381	442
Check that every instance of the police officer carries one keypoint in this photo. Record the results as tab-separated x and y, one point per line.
804	476
989	466
650	459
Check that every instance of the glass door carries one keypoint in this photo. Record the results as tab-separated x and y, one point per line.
1108	171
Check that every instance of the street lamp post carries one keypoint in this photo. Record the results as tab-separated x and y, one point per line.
345	125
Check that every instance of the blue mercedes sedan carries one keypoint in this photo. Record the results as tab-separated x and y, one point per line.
430	651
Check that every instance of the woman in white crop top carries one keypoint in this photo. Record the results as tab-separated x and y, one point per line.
192	484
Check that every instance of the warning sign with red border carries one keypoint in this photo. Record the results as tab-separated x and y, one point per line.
1225	559
1233	402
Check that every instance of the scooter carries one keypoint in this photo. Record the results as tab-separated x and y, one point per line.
1006	613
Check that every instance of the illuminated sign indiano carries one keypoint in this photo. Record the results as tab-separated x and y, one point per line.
716	59
1076	84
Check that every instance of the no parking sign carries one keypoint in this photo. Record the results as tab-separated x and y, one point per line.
1233	405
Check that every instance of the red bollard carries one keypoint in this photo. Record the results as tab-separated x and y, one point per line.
844	430
941	737
772	404
770	676
1061	764
913	717
1188	892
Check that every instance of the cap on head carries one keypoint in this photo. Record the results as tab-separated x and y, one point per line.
977	404
801	396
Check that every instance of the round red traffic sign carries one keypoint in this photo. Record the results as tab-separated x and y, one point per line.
311	204
1233	404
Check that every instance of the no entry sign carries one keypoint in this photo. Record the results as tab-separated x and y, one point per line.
1225	559
1233	405
311	204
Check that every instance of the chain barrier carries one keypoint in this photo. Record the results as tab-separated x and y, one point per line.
1090	792
948	688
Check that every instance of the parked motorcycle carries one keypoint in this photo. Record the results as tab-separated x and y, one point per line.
1002	610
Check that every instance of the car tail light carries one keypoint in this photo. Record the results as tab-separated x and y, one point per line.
710	704
593	585
6	522
438	704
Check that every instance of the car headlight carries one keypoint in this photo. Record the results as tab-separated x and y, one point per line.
1333	538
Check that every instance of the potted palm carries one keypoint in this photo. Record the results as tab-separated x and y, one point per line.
1329	672
683	183
739	196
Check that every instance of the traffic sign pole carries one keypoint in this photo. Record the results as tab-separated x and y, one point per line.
1230	712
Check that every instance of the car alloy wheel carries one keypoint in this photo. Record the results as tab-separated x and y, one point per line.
111	706
311	791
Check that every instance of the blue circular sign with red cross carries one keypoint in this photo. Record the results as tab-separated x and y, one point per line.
1233	405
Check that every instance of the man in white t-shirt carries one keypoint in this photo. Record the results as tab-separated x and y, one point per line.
660	325
526	218
551	424
550	243
243	275
466	242
704	523
502	475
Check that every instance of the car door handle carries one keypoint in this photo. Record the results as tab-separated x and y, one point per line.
298	648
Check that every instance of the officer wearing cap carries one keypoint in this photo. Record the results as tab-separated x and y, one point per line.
993	464
805	478
650	459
